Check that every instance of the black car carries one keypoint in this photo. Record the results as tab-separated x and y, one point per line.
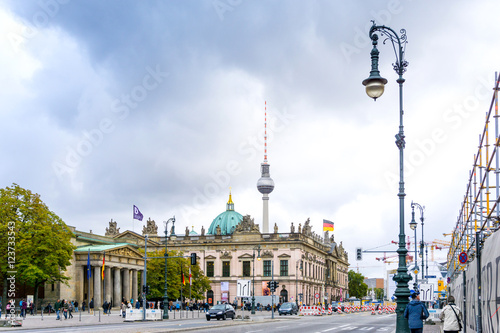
288	308
221	311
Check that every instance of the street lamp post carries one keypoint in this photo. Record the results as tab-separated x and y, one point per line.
253	273
414	204
296	281
165	296
375	88
413	226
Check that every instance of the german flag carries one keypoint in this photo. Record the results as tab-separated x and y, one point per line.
327	225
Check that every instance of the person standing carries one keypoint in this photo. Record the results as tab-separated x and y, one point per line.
91	306
416	312
452	316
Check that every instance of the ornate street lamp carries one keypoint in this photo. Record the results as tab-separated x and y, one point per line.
253	268
172	236
296	281
375	88
413	204
413	226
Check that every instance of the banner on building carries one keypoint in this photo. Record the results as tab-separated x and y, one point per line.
265	289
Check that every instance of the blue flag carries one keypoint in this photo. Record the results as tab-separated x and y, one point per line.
137	214
89	271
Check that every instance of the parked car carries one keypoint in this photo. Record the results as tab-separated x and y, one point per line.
221	311
288	308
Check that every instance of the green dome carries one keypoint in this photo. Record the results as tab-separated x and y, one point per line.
227	220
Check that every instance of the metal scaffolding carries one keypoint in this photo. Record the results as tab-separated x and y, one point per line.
479	213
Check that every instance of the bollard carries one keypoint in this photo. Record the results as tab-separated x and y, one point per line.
99	315
80	312
42	314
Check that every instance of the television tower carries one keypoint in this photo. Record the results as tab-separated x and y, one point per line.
265	184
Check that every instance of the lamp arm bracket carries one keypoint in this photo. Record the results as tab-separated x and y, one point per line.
398	44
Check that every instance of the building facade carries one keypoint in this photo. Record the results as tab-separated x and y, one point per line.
309	268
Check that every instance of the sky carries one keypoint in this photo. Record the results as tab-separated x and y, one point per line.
160	104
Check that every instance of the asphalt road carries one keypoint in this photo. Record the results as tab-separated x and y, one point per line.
354	322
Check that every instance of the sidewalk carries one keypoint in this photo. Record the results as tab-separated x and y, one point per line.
438	328
84	318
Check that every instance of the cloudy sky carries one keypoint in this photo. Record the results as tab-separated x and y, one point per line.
107	104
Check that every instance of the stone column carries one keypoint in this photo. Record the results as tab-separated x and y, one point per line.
80	292
97	287
126	284
117	295
134	285
107	283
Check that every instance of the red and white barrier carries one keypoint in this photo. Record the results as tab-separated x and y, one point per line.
310	310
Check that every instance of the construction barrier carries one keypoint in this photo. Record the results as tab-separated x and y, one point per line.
310	310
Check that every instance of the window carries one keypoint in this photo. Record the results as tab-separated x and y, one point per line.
267	267
226	269
210	269
283	267
246	268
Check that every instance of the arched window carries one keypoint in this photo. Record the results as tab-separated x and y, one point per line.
283	296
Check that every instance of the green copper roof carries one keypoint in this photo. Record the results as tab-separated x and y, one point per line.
99	248
227	220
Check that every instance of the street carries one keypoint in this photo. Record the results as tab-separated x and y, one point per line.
354	322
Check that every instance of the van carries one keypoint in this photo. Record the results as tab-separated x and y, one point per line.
288	308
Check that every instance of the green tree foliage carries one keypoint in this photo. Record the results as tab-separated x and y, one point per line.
34	237
156	277
379	293
357	287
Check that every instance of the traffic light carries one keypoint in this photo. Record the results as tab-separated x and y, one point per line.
143	289
276	284
269	284
272	286
193	258
359	254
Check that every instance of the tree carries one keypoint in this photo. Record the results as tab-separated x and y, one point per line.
379	293
156	277
357	287
35	242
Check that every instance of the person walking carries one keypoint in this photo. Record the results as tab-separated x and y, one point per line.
452	317
70	309
91	306
57	307
416	312
65	307
83	306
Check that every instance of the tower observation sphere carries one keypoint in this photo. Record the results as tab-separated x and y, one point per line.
265	184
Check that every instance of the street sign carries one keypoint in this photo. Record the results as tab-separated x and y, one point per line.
316	295
462	257
430	276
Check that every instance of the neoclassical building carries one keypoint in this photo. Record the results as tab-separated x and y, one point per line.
307	266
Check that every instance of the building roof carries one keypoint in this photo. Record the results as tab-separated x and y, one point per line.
227	221
100	248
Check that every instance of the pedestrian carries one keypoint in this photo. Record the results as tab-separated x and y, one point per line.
83	306
452	317
75	304
91	306
70	309
24	307
65	309
416	312
124	309
57	307
137	305
105	307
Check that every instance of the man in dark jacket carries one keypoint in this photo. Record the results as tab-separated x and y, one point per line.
415	312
